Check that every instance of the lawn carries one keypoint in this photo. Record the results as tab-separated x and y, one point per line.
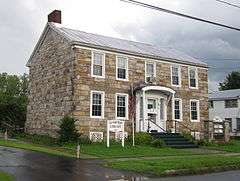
116	151
54	150
96	150
179	165
232	146
5	177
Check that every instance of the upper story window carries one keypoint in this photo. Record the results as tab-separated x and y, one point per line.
210	105
150	72
177	109
193	78
121	106
97	104
151	103
176	75
122	68
194	110
98	64
232	103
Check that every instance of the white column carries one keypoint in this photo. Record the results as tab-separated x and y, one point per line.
144	109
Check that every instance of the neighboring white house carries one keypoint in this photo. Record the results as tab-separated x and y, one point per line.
226	106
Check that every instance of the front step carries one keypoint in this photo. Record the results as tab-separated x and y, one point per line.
174	140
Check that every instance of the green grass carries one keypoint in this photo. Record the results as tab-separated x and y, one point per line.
179	165
59	151
232	146
116	151
97	150
6	177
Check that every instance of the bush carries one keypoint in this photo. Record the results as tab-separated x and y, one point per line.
141	138
205	142
84	140
68	132
158	143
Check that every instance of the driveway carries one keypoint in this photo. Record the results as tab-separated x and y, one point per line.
34	166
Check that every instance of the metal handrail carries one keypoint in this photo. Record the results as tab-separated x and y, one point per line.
150	120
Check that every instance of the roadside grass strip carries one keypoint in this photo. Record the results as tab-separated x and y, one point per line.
179	165
6	177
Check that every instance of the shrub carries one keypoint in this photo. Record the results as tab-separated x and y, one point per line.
158	143
141	138
84	140
205	142
68	132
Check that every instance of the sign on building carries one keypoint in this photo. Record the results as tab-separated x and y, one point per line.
115	126
96	136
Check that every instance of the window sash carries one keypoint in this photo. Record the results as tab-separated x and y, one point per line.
122	67
98	63
193	77
121	106
194	110
177	109
97	101
150	69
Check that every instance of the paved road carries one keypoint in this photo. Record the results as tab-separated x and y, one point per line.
33	166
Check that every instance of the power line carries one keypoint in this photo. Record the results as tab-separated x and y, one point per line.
230	4
179	14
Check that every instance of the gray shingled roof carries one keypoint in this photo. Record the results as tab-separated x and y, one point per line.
223	95
125	46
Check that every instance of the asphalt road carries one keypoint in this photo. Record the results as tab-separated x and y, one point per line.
33	166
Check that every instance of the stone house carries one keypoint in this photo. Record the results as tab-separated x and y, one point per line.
96	78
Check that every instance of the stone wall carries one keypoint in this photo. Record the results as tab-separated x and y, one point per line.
85	83
51	85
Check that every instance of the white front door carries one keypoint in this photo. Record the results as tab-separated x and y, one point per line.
151	113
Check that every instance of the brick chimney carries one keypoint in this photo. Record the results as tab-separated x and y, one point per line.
55	17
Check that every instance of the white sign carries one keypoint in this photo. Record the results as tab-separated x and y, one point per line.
118	135
115	126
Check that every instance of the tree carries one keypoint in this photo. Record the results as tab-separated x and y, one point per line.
232	81
13	100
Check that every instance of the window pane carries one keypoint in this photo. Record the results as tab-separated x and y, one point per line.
238	124
192	82
150	69
121	73
97	58
96	104
121	106
194	110
97	70
122	62
192	73
233	103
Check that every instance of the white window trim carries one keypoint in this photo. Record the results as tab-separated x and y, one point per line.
198	110
103	66
173	109
155	70
179	76
121	94
103	104
196	71
117	68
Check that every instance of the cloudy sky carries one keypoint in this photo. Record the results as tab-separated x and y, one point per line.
22	21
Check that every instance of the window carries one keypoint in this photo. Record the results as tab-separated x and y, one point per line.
210	105
238	124
230	123
150	72
177	109
194	110
151	104
193	82
98	64
122	68
122	106
176	75
97	104
232	103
